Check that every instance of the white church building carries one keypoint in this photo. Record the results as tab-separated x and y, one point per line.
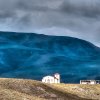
51	79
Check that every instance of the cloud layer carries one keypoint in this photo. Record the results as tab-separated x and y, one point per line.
78	18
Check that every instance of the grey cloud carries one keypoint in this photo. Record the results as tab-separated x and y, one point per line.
6	14
89	8
76	18
38	5
30	6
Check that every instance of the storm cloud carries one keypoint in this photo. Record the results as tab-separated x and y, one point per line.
75	18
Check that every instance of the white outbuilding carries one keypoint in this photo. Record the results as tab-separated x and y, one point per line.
89	81
51	79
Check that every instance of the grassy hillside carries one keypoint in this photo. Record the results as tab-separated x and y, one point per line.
84	91
19	89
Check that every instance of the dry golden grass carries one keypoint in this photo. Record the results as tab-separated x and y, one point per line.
19	89
84	91
6	94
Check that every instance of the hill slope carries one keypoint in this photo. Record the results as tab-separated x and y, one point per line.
18	89
83	91
74	59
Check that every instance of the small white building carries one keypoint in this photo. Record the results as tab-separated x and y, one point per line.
51	79
89	81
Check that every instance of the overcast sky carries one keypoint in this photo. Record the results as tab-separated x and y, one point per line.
75	18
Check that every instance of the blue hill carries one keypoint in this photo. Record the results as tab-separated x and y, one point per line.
30	55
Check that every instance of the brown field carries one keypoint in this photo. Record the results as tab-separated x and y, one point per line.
21	89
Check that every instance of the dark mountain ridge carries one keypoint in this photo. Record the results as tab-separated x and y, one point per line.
31	55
